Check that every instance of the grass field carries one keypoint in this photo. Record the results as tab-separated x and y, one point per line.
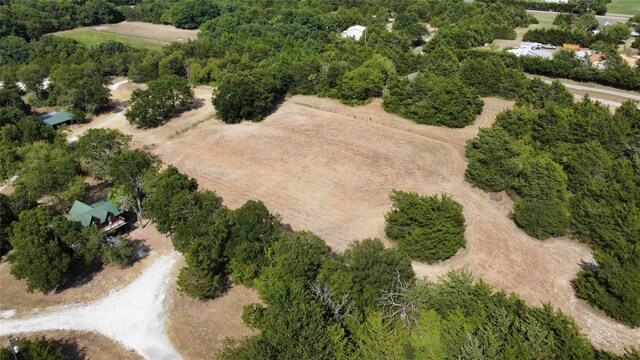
136	34
545	19
630	7
91	37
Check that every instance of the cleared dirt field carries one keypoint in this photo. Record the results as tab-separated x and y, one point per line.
90	345
329	168
16	302
137	34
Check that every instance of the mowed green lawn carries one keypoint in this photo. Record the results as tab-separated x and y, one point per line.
91	37
630	7
545	19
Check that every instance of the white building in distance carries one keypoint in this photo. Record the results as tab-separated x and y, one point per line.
530	52
354	32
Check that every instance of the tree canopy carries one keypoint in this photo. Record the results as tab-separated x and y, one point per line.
426	228
165	98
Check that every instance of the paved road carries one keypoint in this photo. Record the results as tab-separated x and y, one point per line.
618	17
597	90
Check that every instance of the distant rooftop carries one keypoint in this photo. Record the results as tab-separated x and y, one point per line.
55	118
354	32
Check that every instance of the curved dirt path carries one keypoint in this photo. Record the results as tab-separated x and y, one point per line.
133	316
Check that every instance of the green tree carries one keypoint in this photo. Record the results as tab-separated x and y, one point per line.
493	164
41	349
39	254
587	162
185	208
296	256
203	238
160	190
127	169
253	232
426	228
365	270
80	86
614	34
32	76
542	218
613	285
240	97
541	178
96	147
51	170
13	50
434	101
7	216
359	85
164	98
190	14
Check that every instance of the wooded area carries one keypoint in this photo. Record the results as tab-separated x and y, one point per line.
571	168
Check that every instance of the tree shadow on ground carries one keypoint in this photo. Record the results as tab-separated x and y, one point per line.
97	192
70	349
589	266
80	274
140	251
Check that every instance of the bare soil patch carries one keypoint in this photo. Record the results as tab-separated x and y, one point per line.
134	33
14	295
158	32
90	344
198	329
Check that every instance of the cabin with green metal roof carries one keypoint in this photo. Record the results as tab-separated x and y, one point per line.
104	215
56	118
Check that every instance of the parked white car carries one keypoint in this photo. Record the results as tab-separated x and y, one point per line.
548	46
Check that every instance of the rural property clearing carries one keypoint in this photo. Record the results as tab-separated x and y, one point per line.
136	34
329	168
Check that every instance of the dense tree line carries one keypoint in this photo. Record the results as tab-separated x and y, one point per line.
571	168
426	228
613	34
573	6
566	65
434	100
30	19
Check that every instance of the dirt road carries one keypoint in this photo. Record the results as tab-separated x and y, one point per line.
133	316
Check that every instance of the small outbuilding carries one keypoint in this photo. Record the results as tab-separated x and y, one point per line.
56	118
355	32
104	215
